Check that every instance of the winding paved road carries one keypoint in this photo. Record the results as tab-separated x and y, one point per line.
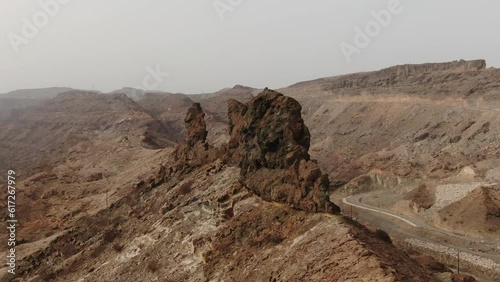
416	228
358	205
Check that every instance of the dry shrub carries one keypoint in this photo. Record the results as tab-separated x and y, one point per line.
382	235
117	221
431	264
68	250
153	266
49	233
186	187
110	235
73	267
49	276
98	251
118	247
455	277
224	248
274	239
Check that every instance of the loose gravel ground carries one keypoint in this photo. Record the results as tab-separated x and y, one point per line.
493	174
450	193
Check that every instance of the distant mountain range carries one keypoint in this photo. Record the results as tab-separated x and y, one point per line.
39	93
51	92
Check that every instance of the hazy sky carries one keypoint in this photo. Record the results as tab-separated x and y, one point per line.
257	43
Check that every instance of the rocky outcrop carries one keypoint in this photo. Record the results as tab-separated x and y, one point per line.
195	125
454	75
455	66
270	142
195	151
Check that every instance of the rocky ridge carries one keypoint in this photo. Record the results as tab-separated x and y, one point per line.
269	142
75	121
198	222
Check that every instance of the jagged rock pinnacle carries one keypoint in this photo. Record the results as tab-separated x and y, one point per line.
195	151
195	125
270	142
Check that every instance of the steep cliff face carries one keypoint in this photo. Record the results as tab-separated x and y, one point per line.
270	142
461	76
455	66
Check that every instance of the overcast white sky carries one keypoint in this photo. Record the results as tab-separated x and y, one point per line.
259	43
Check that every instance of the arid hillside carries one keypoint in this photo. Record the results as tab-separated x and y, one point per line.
250	183
204	215
404	126
37	138
418	117
72	153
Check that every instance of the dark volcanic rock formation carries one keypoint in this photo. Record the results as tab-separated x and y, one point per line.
195	151
270	142
190	154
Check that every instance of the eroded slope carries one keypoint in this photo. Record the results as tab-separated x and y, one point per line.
193	220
